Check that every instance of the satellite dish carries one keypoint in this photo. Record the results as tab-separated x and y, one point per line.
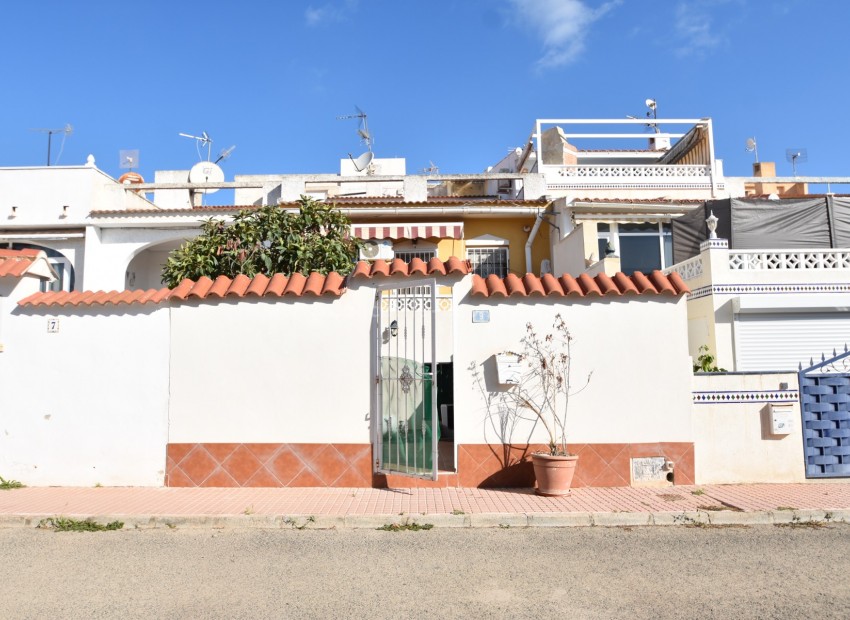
752	147
651	104
128	159
362	162
206	172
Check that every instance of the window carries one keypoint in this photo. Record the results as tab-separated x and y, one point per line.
641	247
489	260
409	255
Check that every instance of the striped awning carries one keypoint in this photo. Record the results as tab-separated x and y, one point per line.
440	230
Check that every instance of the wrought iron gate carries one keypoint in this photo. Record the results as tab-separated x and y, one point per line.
406	427
825	407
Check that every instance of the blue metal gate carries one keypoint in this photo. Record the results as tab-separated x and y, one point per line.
825	407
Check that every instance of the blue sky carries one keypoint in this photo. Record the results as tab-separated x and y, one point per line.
457	83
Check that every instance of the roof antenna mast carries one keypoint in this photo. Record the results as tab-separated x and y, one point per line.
362	162
67	130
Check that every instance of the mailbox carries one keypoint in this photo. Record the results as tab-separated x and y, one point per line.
781	418
508	368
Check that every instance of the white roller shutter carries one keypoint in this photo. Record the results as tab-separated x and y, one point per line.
781	341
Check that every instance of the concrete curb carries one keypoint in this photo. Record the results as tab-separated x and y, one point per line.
700	518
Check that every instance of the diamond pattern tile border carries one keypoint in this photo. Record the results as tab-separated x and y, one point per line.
268	465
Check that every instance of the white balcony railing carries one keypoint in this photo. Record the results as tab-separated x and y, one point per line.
765	260
687	270
624	175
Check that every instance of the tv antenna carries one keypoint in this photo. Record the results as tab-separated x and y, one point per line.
794	156
225	154
362	162
431	169
128	159
66	131
201	141
752	147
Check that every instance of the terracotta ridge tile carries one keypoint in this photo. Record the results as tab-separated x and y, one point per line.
514	285
277	285
496	286
334	284
238	286
160	295
417	265
479	286
219	287
259	284
455	264
435	265
570	286
625	284
295	286
83	297
662	284
101	298
678	283
588	285
182	290
644	286
121	297
551	286
314	284
201	288
533	285
398	266
362	268
379	267
606	285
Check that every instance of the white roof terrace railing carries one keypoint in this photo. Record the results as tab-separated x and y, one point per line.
763	260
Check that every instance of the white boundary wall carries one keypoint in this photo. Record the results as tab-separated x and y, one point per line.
87	404
636	348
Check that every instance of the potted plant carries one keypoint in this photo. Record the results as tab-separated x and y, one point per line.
544	390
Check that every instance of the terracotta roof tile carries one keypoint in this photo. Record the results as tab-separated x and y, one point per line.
416	266
583	286
279	285
16	262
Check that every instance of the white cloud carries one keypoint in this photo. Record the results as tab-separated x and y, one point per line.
696	28
316	16
562	25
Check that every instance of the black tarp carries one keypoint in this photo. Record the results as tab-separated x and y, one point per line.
751	224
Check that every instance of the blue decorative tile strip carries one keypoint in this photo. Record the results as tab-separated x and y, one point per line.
746	396
767	289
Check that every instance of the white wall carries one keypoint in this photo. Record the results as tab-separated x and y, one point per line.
85	405
636	348
730	443
273	371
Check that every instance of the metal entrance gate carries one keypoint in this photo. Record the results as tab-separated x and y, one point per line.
406	427
825	407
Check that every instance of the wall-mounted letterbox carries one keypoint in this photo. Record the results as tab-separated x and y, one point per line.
508	368
781	418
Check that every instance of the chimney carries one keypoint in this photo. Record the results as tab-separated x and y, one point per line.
556	150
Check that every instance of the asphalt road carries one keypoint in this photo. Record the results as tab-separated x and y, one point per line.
662	572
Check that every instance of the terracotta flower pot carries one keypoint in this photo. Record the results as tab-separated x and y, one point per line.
554	473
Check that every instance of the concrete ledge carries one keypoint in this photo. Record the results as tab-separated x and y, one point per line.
499	520
618	519
560	519
731	517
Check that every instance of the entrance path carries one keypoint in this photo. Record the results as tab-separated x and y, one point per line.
444	507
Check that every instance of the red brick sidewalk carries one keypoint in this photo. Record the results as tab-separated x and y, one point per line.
186	502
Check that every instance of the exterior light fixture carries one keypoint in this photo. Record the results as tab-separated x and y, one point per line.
64	211
14	212
711	222
394	328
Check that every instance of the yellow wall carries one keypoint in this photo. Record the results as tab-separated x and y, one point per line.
512	230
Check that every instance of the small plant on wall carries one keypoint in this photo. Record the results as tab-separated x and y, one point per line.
706	362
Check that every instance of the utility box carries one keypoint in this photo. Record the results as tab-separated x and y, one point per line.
508	368
780	418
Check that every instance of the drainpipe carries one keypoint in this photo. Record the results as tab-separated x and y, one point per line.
537	221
